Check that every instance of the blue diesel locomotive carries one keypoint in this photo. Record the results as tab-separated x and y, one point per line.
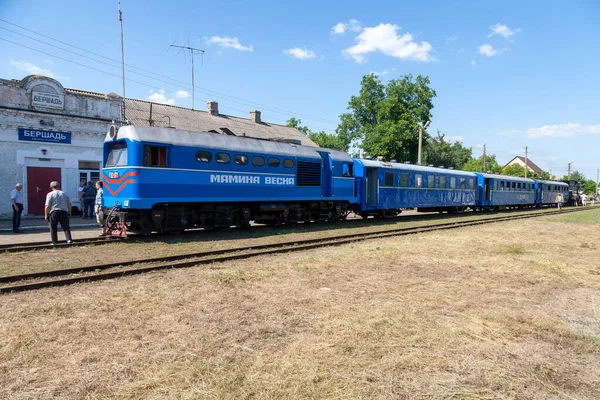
164	180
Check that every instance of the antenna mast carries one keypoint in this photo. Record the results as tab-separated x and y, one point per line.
122	57
191	49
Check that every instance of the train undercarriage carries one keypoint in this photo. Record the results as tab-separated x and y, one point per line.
167	218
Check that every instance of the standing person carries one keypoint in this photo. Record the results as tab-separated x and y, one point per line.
584	199
593	199
89	198
99	208
80	190
16	198
58	209
559	200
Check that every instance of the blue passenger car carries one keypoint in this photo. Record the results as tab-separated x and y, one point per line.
546	192
384	188
502	191
165	179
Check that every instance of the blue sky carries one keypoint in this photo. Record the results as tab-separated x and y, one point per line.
507	73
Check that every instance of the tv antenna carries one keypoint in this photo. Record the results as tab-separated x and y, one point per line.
192	50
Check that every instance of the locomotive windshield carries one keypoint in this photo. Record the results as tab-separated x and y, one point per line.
117	156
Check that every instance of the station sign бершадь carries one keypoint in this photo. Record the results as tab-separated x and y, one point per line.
50	100
38	135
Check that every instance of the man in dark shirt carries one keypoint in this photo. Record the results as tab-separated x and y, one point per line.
16	198
57	210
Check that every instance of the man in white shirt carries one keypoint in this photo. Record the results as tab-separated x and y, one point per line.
16	198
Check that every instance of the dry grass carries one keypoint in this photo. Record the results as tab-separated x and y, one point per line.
498	311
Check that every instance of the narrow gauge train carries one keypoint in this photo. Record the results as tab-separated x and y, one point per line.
162	180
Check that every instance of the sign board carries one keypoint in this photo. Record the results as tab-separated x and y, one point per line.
41	99
34	135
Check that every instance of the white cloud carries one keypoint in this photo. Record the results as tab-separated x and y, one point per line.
302	54
488	50
384	38
502	30
159	97
340	28
384	72
564	130
33	69
473	62
452	139
449	39
182	94
228	42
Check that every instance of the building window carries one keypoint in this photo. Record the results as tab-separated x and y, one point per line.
240	159
204	156
288	163
223	158
404	179
274	162
389	179
155	156
258	161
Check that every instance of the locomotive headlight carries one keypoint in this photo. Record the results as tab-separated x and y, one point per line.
125	203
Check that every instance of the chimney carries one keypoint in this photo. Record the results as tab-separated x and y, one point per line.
212	107
255	116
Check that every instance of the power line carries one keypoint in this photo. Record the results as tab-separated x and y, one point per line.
201	89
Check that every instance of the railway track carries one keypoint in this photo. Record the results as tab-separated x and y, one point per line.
61	277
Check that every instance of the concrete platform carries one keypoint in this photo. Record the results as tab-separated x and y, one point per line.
36	229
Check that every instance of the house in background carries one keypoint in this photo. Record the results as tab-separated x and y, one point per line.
520	161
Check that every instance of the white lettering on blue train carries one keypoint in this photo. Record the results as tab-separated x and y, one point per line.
223	178
272	180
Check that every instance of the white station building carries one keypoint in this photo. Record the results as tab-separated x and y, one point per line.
50	133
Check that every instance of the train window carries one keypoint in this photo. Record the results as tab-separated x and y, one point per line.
258	161
273	162
404	179
430	181
240	159
118	155
348	169
442	181
223	158
418	180
514	185
389	179
519	185
288	163
452	182
204	156
155	156
501	185
471	183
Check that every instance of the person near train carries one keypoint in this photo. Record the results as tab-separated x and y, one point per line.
89	198
559	200
57	210
16	198
99	206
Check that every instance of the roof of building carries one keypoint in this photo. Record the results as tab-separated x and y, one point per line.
167	116
532	166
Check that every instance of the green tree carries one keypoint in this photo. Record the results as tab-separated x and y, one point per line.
588	186
514	170
439	152
476	164
543	175
575	176
321	138
384	120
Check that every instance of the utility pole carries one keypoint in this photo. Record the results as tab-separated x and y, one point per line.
597	181
484	160
421	140
122	58
526	162
192	50
570	169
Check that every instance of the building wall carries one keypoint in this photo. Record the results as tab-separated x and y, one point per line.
82	116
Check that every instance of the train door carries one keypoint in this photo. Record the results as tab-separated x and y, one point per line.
327	177
488	186
372	186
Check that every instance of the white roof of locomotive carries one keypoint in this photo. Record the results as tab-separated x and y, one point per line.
207	140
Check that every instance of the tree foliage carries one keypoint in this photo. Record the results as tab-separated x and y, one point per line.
439	152
321	138
384	120
476	164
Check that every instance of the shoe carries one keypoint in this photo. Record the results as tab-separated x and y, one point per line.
69	242
52	244
102	234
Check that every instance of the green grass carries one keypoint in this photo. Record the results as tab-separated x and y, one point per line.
588	217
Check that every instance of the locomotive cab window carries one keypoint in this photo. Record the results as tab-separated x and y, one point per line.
348	169
117	157
155	156
389	179
274	162
223	158
240	159
204	156
288	163
258	161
